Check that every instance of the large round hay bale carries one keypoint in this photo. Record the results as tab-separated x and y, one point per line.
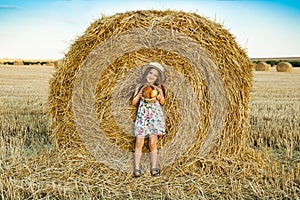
284	67
207	89
262	66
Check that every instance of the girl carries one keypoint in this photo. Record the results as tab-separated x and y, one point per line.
150	120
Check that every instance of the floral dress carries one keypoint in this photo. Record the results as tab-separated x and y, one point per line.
150	119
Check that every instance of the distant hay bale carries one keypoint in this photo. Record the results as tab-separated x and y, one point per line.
18	62
262	66
284	67
207	89
50	64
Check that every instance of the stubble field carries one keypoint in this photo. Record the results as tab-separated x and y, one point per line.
25	133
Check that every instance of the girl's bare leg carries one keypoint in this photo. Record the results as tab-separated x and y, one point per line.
153	150
139	143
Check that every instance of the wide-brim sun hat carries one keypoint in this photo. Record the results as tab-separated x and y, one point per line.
156	66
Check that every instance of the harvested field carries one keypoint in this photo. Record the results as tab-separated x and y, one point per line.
274	111
32	169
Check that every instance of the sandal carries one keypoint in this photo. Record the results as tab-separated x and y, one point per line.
137	173
155	172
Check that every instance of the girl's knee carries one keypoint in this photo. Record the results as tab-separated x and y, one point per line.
139	143
153	144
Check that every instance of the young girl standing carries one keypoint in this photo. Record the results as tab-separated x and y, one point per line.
150	120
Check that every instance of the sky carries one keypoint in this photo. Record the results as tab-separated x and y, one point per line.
45	29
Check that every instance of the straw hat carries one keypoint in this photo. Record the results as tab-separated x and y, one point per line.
156	66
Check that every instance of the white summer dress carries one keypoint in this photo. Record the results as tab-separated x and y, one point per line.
149	120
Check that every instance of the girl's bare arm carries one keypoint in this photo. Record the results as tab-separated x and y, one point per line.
161	96
137	95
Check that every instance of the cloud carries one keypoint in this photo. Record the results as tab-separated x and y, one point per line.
9	7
